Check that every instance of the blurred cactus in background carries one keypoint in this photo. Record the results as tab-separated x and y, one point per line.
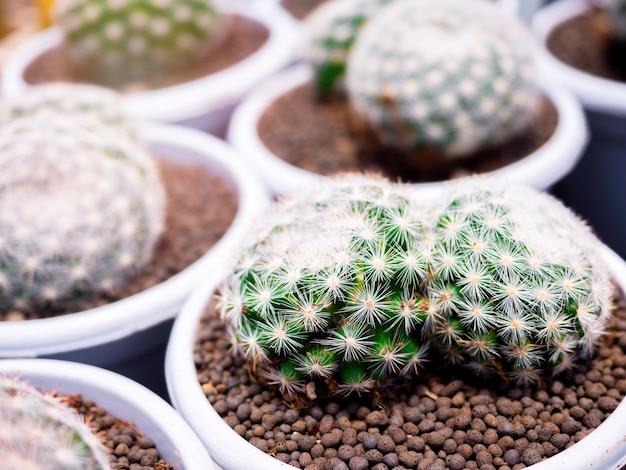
616	10
38	431
121	41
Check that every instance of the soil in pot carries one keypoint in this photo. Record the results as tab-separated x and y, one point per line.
127	446
200	208
243	38
586	43
445	420
322	136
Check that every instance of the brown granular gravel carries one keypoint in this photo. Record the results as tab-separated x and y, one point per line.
321	136
200	208
242	39
128	447
585	42
438	421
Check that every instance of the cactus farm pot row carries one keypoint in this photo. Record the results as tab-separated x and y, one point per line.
134	425
583	54
112	332
257	42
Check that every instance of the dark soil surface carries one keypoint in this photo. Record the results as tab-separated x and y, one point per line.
443	420
301	8
243	38
128	447
200	208
319	136
585	42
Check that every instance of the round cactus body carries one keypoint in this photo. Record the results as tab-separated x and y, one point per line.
326	294
617	14
54	99
517	284
451	75
130	39
332	29
38	431
81	207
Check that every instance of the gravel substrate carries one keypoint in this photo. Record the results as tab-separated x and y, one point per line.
319	136
439	421
128	447
200	208
243	38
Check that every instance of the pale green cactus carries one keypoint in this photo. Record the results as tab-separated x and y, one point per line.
616	10
449	75
516	282
38	431
82	207
355	286
331	31
129	40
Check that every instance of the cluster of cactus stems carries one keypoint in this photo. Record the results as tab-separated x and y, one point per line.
130	40
38	431
453	75
356	286
82	207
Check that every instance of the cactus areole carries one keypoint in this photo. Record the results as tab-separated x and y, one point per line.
358	285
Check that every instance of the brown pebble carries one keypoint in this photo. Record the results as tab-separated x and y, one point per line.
358	463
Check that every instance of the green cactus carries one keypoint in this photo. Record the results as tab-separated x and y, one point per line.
332	29
450	75
129	40
82	207
616	10
39	431
86	101
359	284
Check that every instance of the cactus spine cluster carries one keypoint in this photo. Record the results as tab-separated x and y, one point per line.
37	431
451	75
129	40
82	207
360	283
332	29
616	10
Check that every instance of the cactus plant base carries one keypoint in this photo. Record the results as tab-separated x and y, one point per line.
443	418
193	225
322	136
585	42
243	38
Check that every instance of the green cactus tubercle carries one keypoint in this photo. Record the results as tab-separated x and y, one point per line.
38	431
362	283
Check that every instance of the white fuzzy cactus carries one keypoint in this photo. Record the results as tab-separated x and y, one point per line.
451	75
331	31
81	207
39	432
124	40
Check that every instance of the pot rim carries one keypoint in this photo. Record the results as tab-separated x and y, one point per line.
159	303
191	99
603	449
596	93
124	398
541	169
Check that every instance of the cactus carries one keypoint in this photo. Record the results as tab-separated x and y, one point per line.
332	29
356	286
126	41
82	207
616	10
39	431
450	75
87	101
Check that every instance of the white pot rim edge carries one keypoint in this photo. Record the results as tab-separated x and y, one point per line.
603	449
160	302
596	94
123	398
540	169
186	100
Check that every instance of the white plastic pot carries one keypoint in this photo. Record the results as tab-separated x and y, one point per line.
124	399
540	169
603	449
205	103
595	188
115	335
